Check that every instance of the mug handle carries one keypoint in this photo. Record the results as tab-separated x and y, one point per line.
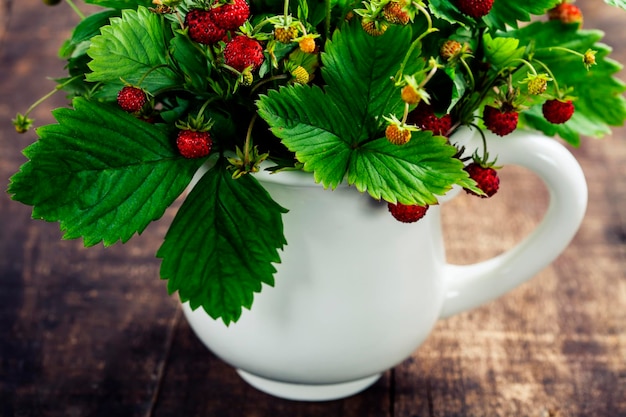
469	286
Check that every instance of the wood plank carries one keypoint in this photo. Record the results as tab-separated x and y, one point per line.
83	331
198	383
5	12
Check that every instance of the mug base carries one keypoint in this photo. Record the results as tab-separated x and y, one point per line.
308	392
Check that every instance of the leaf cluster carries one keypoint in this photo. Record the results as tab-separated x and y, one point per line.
337	131
104	174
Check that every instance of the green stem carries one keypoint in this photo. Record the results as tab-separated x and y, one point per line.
430	74
260	25
484	140
398	75
179	18
286	11
231	69
425	13
417	41
50	94
302	28
268	80
524	62
561	48
406	113
469	72
76	9
327	20
205	105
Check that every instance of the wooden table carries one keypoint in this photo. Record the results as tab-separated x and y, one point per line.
92	332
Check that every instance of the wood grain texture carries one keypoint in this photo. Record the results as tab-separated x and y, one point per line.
92	332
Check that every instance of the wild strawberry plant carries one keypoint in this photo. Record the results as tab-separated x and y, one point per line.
365	93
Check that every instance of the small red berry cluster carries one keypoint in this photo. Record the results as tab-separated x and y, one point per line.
503	119
214	24
221	25
211	25
500	117
233	47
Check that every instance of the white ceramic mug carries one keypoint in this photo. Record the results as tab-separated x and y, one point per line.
357	291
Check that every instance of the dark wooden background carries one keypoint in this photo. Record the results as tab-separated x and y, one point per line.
92	332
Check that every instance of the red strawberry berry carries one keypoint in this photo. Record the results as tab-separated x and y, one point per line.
567	13
475	8
193	144
557	111
486	179
500	121
131	99
425	118
231	14
202	28
243	52
407	213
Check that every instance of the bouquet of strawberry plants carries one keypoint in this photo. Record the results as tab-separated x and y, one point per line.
366	93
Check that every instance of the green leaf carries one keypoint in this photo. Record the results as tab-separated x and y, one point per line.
84	31
338	9
617	3
316	128
193	64
220	261
90	26
75	48
336	132
499	52
358	68
412	174
133	48
448	11
503	13
510	12
459	87
101	173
